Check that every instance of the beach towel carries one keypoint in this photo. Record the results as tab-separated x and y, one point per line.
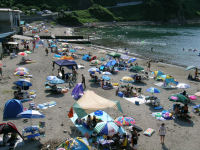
46	105
140	99
149	132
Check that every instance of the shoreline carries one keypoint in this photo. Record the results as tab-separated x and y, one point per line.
101	47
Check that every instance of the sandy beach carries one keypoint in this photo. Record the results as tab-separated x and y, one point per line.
180	135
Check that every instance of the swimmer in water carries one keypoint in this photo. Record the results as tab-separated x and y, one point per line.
183	49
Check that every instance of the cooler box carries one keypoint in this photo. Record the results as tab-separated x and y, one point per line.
120	94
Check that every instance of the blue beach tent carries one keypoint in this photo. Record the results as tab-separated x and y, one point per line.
12	108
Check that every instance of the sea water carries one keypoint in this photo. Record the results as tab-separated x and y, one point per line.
172	44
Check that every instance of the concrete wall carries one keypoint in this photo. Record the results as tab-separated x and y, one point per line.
9	21
5	22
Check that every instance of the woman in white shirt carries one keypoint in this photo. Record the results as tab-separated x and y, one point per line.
162	132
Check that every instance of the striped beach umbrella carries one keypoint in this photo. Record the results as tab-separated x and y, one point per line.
106	128
21	73
21	69
183	86
30	114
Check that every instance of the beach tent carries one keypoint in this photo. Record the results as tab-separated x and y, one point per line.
12	108
136	68
77	92
111	63
179	98
86	57
91	102
114	54
67	63
75	144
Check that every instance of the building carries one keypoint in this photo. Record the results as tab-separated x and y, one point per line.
9	25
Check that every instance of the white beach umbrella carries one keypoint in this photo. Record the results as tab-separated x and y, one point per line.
183	86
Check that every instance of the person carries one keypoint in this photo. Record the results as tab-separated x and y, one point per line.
117	91
148	65
124	141
47	51
94	121
116	138
53	65
152	49
185	110
184	93
1	73
27	47
196	73
70	81
134	138
89	121
83	81
63	73
162	132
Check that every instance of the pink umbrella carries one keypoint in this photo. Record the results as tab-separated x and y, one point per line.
192	97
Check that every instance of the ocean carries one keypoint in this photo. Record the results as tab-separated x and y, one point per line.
172	44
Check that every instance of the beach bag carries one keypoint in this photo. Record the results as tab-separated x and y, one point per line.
149	132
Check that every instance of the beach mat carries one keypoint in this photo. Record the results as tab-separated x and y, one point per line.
136	99
46	105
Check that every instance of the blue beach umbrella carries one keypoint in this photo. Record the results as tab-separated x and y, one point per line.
107	73
72	50
23	82
57	81
153	90
131	60
111	63
107	78
30	114
53	45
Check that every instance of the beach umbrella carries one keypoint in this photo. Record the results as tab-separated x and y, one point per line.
106	128
30	114
183	86
153	90
21	73
53	45
28	52
131	60
124	57
111	63
22	53
21	69
190	67
57	81
136	68
107	73
127	79
97	62
49	78
179	98
114	54
72	50
93	70
197	94
124	121
77	143
23	82
164	77
107	78
36	36
157	73
67	58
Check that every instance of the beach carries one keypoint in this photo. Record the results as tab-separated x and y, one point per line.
180	135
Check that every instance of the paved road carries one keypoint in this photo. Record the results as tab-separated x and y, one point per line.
126	4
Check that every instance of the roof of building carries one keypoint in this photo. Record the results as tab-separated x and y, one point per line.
8	9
